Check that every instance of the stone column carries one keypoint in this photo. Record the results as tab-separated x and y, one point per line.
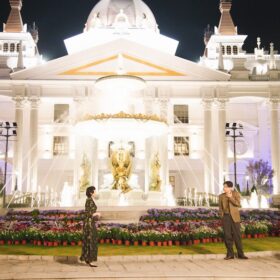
18	147
222	146
33	145
149	110
163	144
78	151
208	185
275	144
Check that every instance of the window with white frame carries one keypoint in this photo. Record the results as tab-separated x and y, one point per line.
12	47
181	114
235	50
228	50
181	146
61	113
5	47
60	145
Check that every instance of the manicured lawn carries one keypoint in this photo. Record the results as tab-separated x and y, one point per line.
250	245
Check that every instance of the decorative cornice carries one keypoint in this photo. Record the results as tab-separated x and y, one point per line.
207	103
19	101
222	103
123	115
34	102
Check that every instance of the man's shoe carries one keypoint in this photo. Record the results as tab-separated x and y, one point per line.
92	264
229	258
243	257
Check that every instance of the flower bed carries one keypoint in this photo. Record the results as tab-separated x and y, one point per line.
157	228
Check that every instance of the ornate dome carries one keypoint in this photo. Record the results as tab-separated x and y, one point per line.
121	14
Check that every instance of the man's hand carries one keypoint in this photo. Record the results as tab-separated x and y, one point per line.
229	194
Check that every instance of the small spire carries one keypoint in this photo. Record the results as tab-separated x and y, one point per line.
259	42
35	33
14	23
221	65
272	63
207	35
259	52
226	26
20	65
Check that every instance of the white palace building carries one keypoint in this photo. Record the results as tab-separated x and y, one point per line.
122	112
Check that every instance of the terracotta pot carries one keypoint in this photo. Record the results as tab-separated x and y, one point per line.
204	240
152	243
207	240
107	241
190	243
243	236
55	243
34	242
135	243
2	242
9	242
50	243
164	243
177	243
249	236
170	243
197	241
39	243
127	243
45	243
17	242
119	242
64	243
215	240
73	243
101	241
144	243
256	236
159	243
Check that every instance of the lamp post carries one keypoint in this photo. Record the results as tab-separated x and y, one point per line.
233	130
247	185
7	130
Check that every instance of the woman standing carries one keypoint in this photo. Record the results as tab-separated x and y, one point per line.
90	240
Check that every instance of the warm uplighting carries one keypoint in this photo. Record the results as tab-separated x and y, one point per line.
122	127
120	83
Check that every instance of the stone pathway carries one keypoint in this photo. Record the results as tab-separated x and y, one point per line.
141	267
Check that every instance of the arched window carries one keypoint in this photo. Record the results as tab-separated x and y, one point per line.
6	47
228	50
235	50
12	47
18	46
223	50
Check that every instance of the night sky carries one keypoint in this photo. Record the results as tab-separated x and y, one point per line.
183	20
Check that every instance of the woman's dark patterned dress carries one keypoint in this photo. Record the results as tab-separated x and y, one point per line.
90	238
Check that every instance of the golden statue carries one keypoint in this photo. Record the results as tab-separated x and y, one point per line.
121	164
84	181
155	181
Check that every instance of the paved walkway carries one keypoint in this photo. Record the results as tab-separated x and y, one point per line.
150	267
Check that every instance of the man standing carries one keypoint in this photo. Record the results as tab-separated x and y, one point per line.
229	202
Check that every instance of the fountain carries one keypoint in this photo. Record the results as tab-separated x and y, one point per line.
254	202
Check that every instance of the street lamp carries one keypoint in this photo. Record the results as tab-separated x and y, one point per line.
7	130
247	185
234	130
